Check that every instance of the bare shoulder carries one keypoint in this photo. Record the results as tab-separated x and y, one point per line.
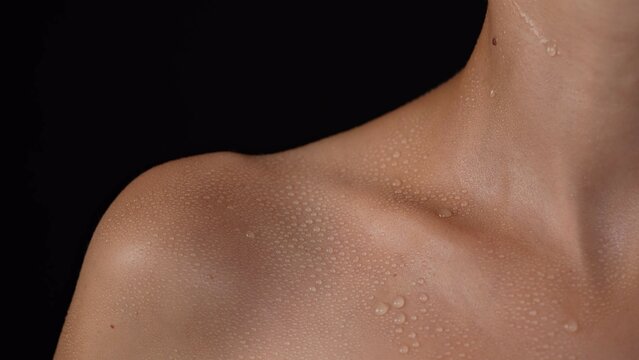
165	260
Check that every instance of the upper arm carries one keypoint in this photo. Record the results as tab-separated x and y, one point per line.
154	276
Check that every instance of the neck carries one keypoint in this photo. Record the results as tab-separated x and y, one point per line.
549	102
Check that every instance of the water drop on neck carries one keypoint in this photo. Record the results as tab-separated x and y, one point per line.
403	349
250	234
381	309
492	93
551	48
399	302
399	318
571	326
444	213
423	297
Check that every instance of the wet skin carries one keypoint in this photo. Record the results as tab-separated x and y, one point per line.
449	228
288	256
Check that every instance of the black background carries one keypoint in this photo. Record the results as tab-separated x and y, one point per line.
117	87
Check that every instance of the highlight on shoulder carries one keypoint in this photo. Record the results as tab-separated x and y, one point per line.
160	264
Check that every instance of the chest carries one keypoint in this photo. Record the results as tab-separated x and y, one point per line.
348	295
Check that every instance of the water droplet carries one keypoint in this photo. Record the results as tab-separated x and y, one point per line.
464	203
551	48
312	289
421	281
444	213
403	349
492	93
381	309
399	330
399	302
250	234
415	344
571	326
399	318
412	335
423	297
396	182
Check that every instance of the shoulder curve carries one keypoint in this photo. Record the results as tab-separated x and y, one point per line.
175	188
146	247
180	169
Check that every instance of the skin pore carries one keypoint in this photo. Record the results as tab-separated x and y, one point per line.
495	217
